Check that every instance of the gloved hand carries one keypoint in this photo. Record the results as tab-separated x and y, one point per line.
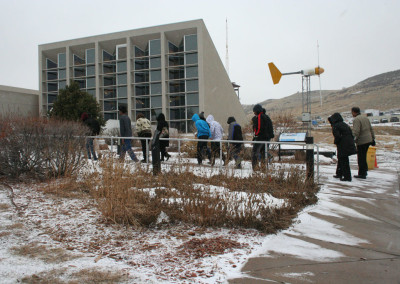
373	143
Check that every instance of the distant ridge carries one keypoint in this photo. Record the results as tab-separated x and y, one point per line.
378	92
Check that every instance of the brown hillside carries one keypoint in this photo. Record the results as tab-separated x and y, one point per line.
378	92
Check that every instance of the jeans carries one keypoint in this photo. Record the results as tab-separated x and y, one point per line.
90	148
126	147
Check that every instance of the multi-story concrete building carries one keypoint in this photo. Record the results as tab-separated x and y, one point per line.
174	69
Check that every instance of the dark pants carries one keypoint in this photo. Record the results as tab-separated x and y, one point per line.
344	166
362	159
234	151
144	143
215	151
202	149
258	153
90	148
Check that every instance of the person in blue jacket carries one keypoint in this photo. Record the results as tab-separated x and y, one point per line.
203	132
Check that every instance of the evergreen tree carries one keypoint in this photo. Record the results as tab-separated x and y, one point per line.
71	102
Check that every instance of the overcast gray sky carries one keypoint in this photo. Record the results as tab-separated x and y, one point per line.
357	39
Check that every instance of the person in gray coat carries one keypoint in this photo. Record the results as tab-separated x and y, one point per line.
364	136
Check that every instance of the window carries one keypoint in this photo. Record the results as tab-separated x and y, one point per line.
109	81
108	68
51	99
122	79
121	66
190	42
110	105
122	92
111	115
155	75
78	60
177	113
62	84
92	92
142	103
139	52
121	51
141	77
177	100
141	64
191	111
142	90
155	88
192	99
107	56
79	71
155	113
155	47
192	86
50	64
155	62
90	56
62	61
180	125
123	102
177	86
175	60
109	93
176	73
156	102
90	71
91	83
191	58
192	72
52	87
51	75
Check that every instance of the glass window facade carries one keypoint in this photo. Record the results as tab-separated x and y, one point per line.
142	75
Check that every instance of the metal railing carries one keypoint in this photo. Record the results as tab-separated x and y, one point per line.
180	141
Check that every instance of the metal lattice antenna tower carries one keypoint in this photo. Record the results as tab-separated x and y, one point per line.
226	52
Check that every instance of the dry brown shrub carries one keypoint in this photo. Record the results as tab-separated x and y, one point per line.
46	277
46	254
94	275
4	206
136	197
40	148
66	187
284	122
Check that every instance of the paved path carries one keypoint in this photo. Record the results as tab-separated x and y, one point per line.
376	259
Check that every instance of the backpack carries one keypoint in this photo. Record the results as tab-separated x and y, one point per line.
270	128
237	132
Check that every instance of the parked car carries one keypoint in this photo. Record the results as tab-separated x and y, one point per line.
375	121
384	120
394	119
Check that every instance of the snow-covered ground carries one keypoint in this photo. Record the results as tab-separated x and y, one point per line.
64	236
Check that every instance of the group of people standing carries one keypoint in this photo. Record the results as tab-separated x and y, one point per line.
352	141
208	128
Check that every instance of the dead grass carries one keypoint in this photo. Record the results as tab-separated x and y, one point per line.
4	234
94	275
4	206
47	277
44	253
136	197
15	226
67	187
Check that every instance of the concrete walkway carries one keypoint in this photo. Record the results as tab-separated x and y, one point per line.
375	261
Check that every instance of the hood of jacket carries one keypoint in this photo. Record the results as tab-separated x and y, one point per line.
257	109
230	120
335	118
161	117
210	118
195	117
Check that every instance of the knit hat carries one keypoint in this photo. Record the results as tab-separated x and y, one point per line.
257	108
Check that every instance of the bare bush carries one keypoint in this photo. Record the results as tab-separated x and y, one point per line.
136	197
284	122
40	148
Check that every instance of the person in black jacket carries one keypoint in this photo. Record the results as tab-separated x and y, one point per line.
163	124
338	169
262	127
344	141
234	133
94	127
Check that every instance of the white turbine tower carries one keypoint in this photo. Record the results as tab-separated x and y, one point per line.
226	51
